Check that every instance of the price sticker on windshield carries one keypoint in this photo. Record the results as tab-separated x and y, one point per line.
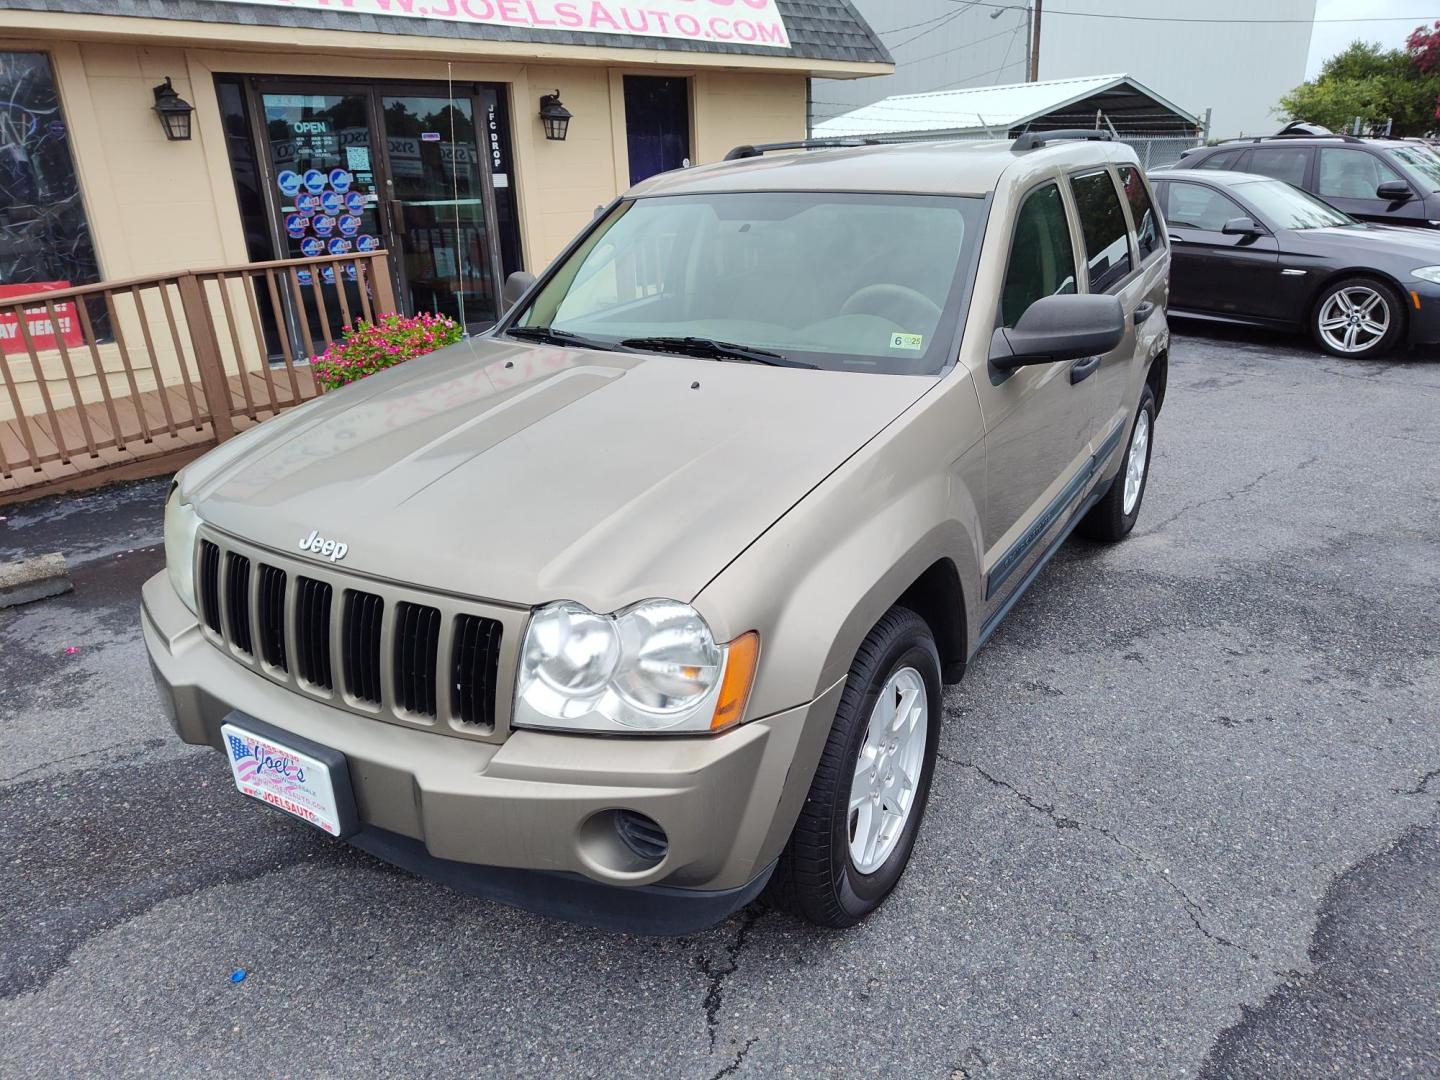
913	342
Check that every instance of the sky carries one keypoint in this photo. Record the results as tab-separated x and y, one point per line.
1331	38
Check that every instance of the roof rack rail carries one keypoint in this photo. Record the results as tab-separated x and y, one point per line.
1033	140
747	151
1293	135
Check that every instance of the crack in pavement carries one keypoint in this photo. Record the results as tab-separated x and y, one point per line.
1231	496
1195	912
715	991
1421	787
109	751
730	1070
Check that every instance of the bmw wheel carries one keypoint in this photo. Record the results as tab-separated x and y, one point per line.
1357	317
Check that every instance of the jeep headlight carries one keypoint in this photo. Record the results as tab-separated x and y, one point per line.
655	666
181	524
1428	273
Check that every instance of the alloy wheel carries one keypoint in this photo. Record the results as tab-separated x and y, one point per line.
1354	319
887	770
1136	460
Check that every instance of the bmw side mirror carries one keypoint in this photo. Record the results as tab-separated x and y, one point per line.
1056	328
1243	226
1394	191
516	285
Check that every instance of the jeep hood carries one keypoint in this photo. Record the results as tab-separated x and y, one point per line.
524	474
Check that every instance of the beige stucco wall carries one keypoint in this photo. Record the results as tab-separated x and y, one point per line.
157	207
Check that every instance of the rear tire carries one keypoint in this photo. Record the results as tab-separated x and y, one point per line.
1112	518
830	872
1357	318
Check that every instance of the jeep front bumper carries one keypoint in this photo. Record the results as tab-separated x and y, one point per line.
480	815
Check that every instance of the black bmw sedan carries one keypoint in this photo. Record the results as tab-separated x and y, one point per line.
1250	249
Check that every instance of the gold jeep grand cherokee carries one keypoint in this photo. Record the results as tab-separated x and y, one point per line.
644	601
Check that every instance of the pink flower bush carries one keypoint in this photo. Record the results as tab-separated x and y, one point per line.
367	348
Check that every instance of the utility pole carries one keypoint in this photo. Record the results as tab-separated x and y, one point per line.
1034	42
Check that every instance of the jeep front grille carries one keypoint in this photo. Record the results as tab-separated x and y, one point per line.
361	635
210	585
379	650
237	602
312	631
472	669
272	617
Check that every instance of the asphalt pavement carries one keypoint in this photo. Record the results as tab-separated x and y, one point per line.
1186	822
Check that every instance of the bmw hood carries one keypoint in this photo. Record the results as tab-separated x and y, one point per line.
522	474
1389	244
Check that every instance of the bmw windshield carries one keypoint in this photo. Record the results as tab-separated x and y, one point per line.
845	281
1286	207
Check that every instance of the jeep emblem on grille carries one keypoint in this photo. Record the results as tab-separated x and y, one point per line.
318	546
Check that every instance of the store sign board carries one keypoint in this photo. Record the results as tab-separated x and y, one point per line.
754	23
45	333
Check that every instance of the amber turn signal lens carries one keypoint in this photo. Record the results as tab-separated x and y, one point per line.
744	651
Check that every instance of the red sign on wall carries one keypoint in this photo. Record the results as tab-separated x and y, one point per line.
37	320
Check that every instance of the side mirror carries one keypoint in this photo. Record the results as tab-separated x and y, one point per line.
1056	328
1242	226
1394	191
516	285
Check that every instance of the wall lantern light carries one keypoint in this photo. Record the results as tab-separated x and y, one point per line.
555	117
174	112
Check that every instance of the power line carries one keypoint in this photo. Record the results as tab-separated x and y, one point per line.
1227	22
912	26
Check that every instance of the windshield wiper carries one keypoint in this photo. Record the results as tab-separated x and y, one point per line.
716	350
551	336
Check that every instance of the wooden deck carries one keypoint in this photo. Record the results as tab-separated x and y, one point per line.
148	437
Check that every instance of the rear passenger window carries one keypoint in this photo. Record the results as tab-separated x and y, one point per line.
1352	174
1192	206
1286	163
1142	212
1226	159
1102	221
1042	257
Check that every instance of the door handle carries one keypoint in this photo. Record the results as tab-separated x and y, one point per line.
1083	369
1143	311
1174	239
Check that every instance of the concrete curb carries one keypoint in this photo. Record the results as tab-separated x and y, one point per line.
33	579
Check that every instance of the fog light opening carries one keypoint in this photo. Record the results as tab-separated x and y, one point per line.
623	841
642	835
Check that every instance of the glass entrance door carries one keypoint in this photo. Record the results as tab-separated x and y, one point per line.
441	212
355	167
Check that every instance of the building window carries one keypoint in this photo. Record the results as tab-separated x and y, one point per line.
44	236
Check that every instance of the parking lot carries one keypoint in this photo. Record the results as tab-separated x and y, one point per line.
1186	821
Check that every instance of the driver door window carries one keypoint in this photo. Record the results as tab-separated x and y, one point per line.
1042	255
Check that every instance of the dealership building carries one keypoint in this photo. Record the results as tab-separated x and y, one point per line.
468	138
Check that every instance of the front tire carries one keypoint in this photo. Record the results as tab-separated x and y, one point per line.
858	826
1357	318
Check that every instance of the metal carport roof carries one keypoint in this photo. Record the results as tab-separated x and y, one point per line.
1126	102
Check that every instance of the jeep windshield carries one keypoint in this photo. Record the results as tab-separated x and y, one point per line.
853	282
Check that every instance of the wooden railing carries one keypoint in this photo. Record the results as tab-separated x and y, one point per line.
103	374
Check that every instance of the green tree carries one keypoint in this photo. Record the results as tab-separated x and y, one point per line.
1375	84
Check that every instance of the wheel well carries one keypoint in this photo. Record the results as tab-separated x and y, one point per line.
1360	272
936	596
1156	376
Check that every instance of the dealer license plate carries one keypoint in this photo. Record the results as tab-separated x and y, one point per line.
287	779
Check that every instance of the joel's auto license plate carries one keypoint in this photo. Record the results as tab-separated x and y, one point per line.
288	779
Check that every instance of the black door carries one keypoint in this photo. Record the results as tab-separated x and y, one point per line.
1348	179
1215	273
657	124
